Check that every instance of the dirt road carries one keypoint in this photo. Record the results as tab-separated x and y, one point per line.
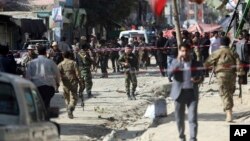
110	110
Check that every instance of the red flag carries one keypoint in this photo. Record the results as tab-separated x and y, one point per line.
158	6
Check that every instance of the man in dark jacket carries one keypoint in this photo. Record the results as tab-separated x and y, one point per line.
185	91
161	54
205	43
172	50
242	49
7	62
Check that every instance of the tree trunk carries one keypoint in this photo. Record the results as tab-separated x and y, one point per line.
177	23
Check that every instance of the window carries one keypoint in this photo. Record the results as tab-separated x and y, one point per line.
30	104
8	101
40	106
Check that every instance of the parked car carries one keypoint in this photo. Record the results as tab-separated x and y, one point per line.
22	114
34	42
134	33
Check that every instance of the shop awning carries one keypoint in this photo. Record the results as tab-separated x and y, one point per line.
27	21
43	14
20	15
42	2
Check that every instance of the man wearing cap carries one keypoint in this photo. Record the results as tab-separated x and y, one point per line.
55	53
130	63
84	43
76	57
30	55
85	63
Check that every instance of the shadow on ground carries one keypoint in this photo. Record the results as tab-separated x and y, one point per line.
125	135
58	100
93	131
201	117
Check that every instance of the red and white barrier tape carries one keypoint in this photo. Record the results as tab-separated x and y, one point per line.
227	67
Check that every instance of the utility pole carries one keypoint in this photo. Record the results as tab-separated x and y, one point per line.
196	12
176	22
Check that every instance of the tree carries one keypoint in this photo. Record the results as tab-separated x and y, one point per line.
15	5
105	12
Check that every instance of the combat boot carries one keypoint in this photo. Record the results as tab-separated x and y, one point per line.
70	112
89	95
133	96
229	116
82	99
129	97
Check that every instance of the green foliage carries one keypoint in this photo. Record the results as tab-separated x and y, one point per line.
105	11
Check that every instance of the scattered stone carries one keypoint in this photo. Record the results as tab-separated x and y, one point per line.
111	119
162	90
120	91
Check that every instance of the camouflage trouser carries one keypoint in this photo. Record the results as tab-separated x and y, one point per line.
87	78
81	85
70	95
226	83
130	77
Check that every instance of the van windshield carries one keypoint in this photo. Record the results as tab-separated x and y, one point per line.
8	102
136	35
132	35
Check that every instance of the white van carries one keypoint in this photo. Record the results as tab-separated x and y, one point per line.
22	113
134	33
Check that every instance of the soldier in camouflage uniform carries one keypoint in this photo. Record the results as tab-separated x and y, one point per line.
77	58
85	68
227	66
130	63
70	78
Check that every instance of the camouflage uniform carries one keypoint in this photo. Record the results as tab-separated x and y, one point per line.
130	72
78	60
27	58
225	60
70	79
85	66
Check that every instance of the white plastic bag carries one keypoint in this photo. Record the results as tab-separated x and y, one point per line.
158	109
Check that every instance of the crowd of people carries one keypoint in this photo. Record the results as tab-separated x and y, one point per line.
73	64
227	63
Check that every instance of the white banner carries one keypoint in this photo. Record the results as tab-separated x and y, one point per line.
57	14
